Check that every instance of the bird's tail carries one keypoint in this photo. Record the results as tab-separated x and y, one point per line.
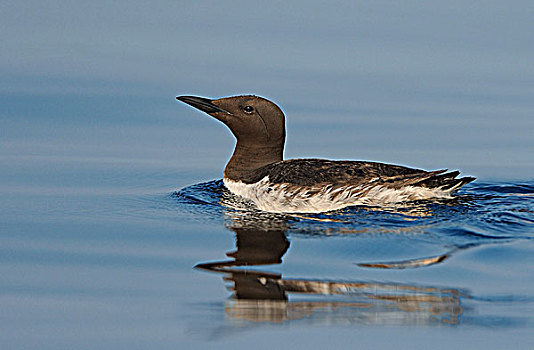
445	181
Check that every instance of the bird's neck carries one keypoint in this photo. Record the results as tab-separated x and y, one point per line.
247	158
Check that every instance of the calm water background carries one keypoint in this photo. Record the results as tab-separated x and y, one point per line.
100	231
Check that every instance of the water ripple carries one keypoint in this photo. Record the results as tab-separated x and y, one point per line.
483	211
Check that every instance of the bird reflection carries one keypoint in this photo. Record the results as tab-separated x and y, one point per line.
260	296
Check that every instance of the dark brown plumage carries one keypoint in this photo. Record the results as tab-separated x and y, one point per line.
322	172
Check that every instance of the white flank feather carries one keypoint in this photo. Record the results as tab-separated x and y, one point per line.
285	198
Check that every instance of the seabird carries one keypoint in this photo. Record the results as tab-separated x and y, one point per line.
258	172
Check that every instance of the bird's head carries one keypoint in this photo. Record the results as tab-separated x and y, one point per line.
253	120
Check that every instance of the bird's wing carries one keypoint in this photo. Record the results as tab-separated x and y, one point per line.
318	172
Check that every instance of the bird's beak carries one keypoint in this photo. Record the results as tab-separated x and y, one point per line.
204	104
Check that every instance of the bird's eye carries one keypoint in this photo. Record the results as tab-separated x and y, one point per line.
248	109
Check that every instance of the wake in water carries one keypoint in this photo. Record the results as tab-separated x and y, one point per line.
480	210
482	213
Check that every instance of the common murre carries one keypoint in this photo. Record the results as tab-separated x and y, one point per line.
257	171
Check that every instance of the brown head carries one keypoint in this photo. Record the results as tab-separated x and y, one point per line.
257	123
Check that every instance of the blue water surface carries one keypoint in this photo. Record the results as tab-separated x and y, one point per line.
115	228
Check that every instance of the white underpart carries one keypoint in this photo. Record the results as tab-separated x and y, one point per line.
285	198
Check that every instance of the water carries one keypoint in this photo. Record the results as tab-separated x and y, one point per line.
115	230
113	250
